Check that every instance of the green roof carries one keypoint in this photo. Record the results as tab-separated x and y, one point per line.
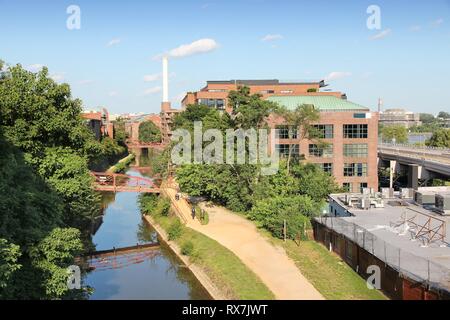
323	103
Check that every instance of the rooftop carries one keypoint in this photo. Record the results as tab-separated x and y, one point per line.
323	103
262	82
390	233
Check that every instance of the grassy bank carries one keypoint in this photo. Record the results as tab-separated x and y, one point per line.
122	164
222	266
327	272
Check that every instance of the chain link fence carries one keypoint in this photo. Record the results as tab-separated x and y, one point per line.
406	263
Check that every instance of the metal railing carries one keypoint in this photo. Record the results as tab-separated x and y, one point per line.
406	263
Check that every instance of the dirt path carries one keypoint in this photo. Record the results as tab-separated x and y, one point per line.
239	235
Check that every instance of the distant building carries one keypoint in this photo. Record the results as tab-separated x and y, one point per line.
132	124
400	117
215	93
99	123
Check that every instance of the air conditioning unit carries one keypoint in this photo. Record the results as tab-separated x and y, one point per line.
387	193
424	198
406	193
442	203
364	203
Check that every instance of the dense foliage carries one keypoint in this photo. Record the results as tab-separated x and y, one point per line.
397	133
46	150
440	139
293	194
149	132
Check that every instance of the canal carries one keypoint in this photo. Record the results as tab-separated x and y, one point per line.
160	276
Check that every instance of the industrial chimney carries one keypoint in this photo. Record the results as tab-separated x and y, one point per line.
165	105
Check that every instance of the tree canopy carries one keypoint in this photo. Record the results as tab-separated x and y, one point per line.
397	133
149	132
46	150
440	139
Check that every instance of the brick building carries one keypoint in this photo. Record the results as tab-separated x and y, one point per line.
98	122
351	130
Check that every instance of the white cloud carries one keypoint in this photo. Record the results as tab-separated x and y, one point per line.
437	22
58	76
272	37
335	75
113	42
113	93
34	67
152	77
185	50
152	90
382	34
87	81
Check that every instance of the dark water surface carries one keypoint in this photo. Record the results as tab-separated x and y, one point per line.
161	276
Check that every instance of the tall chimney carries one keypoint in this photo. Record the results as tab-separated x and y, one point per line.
165	75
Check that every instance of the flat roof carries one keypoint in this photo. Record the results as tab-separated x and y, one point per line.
385	236
323	103
261	82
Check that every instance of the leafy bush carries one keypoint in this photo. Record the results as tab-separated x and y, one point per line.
296	210
175	230
148	202
149	132
187	248
163	207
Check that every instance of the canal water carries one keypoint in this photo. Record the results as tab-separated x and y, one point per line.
160	276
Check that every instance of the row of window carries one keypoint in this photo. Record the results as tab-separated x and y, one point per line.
325	131
348	186
357	150
213	103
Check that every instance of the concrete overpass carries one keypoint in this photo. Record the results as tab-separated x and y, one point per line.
420	162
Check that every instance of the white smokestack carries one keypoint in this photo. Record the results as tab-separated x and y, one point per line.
165	65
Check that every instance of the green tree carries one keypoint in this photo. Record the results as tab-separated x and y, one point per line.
9	256
444	115
149	132
249	110
300	119
397	132
427	118
440	139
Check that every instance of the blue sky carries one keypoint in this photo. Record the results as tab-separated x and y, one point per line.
107	60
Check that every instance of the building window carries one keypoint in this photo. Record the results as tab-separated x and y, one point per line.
286	91
362	186
282	132
325	131
355	131
357	150
217	90
322	152
267	91
213	103
355	169
359	115
327	167
283	149
220	105
347	186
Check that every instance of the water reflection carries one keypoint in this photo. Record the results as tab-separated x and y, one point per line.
163	276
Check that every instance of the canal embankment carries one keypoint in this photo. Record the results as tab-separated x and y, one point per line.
219	270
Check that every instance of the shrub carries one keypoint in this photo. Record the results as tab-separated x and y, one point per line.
187	248
163	207
148	202
175	230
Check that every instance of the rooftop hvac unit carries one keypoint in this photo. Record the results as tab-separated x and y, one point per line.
406	193
442	203
387	193
424	198
364	203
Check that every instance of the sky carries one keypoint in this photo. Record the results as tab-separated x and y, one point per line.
113	59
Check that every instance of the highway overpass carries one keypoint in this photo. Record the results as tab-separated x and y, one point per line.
420	162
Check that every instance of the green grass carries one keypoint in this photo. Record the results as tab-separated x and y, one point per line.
328	273
222	266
